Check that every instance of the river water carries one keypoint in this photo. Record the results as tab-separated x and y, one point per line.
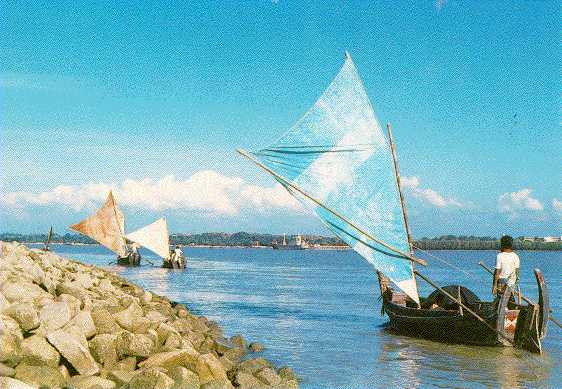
319	312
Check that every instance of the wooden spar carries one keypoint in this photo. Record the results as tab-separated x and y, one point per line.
477	316
397	175
528	301
335	213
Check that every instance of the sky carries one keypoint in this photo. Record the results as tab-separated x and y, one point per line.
151	100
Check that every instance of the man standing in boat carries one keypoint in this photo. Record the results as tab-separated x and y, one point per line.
507	267
178	258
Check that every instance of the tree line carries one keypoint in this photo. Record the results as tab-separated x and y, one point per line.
247	239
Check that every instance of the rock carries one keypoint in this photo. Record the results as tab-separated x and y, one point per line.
252	366
146	298
164	330
103	349
39	375
3	303
75	290
173	341
18	291
105	323
151	378
74	303
226	363
183	378
247	381
256	347
291	384
238	341
90	382
55	315
83	280
6	371
217	384
121	377
268	376
127	364
25	314
84	322
64	371
127	317
129	344
208	367
156	317
207	346
35	350
11	383
74	351
234	354
10	348
169	359
286	374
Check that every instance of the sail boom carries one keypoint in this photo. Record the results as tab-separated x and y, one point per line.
333	212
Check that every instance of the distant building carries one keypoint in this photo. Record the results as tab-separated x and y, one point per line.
550	239
528	239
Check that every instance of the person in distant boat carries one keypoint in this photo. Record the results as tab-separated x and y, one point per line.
178	258
134	255
507	267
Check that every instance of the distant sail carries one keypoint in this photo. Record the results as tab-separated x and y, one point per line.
154	237
337	154
106	226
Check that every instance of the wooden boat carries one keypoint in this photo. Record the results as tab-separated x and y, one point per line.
338	162
107	227
155	237
48	241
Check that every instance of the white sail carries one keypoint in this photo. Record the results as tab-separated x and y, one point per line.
106	226
336	160
154	237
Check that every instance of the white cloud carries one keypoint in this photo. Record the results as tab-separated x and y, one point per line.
557	205
206	190
428	195
514	202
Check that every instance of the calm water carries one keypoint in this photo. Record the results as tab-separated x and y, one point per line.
319	312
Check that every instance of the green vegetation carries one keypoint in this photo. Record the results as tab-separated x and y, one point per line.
247	239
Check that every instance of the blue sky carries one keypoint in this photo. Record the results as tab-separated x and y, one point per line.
96	95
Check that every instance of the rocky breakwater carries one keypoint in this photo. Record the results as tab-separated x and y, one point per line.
64	324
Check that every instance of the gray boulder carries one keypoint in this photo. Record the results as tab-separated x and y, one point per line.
105	323
268	376
39	375
151	378
102	348
129	344
170	359
74	351
35	350
12	383
183	378
25	314
90	382
55	315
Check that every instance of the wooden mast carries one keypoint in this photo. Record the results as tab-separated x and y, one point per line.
399	186
397	175
333	212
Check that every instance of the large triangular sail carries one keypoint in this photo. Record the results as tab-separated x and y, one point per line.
106	226
154	237
336	160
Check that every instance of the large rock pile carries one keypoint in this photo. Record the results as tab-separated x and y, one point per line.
64	324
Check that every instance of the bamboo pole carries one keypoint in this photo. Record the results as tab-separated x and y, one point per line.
397	175
528	301
477	316
335	213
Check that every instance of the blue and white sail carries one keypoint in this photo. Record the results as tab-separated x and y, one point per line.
338	158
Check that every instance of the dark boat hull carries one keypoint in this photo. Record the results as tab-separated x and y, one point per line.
130	260
439	325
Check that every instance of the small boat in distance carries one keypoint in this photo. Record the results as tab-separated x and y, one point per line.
337	161
48	241
107	227
300	244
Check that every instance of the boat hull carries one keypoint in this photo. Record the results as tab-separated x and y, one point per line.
440	325
130	260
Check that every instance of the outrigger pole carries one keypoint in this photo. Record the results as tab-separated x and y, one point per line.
525	298
335	213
